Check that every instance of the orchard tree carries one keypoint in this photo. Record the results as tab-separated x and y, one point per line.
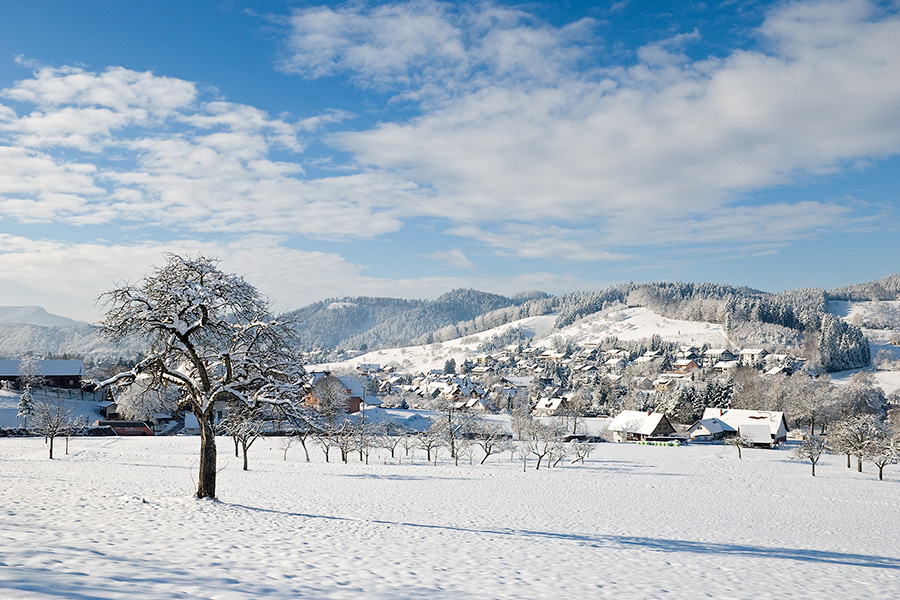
811	449
245	425
212	336
884	451
739	441
852	436
52	418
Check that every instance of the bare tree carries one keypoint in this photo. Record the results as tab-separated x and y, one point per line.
388	436
739	441
852	435
409	441
812	400
581	450
52	417
432	439
245	425
345	438
212	336
330	397
286	443
811	449
884	451
576	406
542	441
490	436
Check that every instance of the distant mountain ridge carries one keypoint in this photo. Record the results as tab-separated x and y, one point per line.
35	315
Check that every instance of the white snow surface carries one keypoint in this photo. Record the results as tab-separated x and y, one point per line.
115	519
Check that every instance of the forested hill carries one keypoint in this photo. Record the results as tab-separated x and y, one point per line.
886	288
363	322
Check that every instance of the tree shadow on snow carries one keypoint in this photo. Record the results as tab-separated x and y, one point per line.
654	544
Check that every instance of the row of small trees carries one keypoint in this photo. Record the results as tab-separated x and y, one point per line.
865	437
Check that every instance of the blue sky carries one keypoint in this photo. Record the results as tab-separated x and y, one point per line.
409	148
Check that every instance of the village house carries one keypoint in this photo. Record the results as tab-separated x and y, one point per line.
717	355
549	407
685	365
762	427
356	391
749	357
636	425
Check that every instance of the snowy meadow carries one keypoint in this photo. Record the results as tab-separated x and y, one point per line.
117	518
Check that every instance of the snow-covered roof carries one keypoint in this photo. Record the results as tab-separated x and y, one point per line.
636	421
737	419
758	433
519	382
713	426
10	367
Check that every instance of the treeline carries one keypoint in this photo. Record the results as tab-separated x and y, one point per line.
886	288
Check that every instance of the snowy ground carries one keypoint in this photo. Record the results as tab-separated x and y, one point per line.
115	519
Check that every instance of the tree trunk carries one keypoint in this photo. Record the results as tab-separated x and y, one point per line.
880	472
235	440
739	452
244	447
814	469
848	460
305	449
859	463
207	485
51	446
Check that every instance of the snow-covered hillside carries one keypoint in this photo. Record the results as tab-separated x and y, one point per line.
433	356
115	518
886	314
640	323
625	324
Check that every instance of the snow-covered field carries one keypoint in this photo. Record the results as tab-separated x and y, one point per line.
115	519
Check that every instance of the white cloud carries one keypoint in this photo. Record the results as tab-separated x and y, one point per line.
454	258
151	150
663	141
67	278
117	88
425	44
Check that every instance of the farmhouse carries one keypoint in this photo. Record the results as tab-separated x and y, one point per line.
65	374
636	425
763	427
